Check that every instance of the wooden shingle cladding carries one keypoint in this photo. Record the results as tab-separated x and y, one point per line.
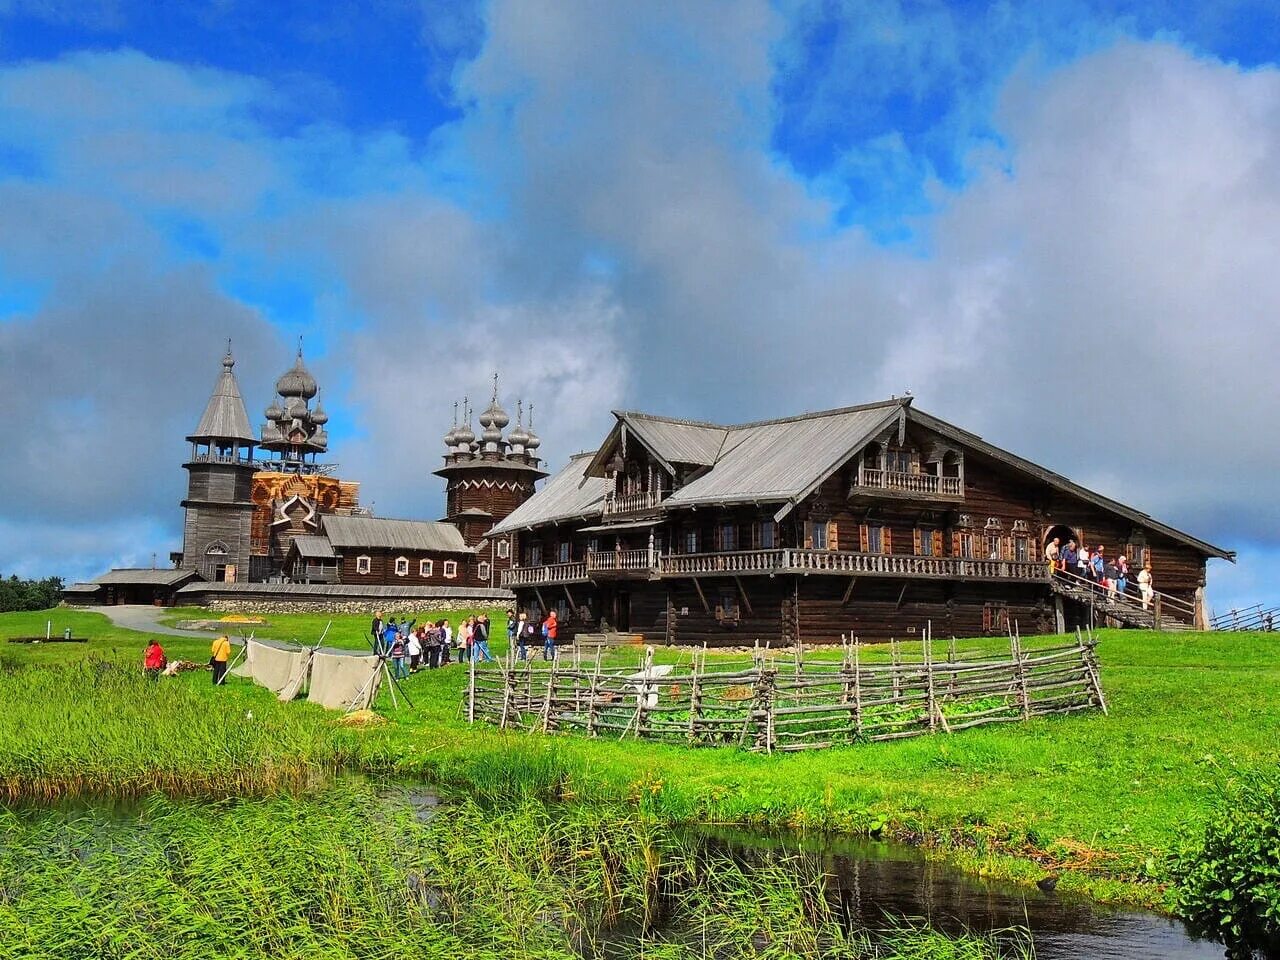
780	496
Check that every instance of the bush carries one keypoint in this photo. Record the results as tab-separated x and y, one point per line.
1229	881
18	594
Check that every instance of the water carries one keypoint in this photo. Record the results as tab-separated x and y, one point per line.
871	881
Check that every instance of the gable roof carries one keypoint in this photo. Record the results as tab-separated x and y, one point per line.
380	533
1059	482
566	496
311	547
145	577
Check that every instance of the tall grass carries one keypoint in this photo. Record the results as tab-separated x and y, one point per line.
95	726
350	873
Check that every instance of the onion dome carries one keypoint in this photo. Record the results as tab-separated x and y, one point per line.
464	437
318	416
534	441
275	412
295	408
518	437
297	381
451	438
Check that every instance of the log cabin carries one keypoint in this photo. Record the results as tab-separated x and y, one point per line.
866	521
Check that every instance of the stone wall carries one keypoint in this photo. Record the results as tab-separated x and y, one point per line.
338	605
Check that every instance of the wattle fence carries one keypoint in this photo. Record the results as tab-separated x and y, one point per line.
772	704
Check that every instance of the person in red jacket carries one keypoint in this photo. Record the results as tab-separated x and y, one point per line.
550	630
154	660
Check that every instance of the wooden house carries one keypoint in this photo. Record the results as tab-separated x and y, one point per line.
868	521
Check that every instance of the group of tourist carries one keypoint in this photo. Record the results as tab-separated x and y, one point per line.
154	661
411	646
1110	574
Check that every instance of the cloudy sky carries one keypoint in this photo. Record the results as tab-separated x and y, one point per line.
1056	223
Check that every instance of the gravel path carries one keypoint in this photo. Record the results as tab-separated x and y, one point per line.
146	619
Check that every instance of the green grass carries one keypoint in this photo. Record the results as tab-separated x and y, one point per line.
1101	799
353	872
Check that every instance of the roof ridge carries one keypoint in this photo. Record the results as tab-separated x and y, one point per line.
347	516
810	415
683	421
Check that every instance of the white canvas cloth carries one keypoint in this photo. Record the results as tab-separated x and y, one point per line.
300	671
344	681
272	664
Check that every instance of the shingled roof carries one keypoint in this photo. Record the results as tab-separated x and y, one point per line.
568	495
379	533
225	417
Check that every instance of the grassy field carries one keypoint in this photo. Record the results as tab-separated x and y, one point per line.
1102	799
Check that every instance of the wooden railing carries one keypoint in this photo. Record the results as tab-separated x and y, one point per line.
619	503
572	572
923	483
846	562
622	561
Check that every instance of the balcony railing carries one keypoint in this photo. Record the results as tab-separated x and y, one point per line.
643	561
315	573
616	504
549	573
838	562
926	484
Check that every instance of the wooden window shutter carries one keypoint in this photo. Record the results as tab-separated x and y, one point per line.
833	535
1006	548
955	543
915	541
808	536
863	538
937	543
886	540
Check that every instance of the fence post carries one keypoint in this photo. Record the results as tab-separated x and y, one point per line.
930	702
594	695
546	704
695	696
1156	612
471	691
1020	672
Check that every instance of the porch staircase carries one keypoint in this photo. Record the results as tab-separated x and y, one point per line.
1164	613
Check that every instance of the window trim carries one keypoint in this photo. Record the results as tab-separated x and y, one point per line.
426	568
482	570
451	569
364	565
401	568
504	549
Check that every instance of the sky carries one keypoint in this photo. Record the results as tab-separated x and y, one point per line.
1055	223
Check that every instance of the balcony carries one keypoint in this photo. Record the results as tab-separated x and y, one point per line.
845	563
923	486
545	574
625	564
625	504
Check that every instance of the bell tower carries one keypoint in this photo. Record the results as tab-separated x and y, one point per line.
216	533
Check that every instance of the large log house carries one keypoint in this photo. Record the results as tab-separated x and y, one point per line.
868	520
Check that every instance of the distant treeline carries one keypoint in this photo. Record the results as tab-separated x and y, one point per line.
16	594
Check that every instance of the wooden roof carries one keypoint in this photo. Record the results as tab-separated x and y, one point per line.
569	495
379	533
145	577
224	416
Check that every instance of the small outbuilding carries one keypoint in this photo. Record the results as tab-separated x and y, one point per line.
125	586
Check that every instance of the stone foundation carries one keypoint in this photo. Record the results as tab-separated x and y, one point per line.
313	605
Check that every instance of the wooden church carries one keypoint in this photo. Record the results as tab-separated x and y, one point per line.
867	521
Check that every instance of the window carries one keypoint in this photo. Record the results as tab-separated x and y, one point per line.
727	609
504	549
899	461
363	564
535	554
593	545
874	540
691	540
728	536
965	539
565	554
766	534
402	566
924	543
995	618
1021	552
483	570
426	568
817	534
450	569
993	538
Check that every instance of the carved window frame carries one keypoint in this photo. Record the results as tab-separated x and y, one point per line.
451	569
364	565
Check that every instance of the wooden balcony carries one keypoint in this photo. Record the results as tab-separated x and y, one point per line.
911	486
625	564
543	574
624	504
846	563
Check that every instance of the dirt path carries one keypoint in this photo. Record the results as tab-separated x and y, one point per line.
146	619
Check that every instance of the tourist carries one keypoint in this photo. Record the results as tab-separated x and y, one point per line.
1069	557
414	648
390	634
1083	566
446	642
1122	575
550	630
1145	586
406	626
1098	567
524	630
220	654
469	638
513	627
153	661
1051	555
375	630
396	650
480	635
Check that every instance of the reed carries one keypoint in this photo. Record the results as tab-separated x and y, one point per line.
353	872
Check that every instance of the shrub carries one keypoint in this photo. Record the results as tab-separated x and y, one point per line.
1229	880
18	594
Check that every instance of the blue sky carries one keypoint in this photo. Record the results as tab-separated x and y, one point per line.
1054	222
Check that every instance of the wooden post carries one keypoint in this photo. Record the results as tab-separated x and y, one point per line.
896	656
471	690
951	659
551	688
1155	607
857	691
695	695
1089	658
1020	672
931	704
594	696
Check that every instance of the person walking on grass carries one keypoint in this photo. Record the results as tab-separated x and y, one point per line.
550	631
220	653
153	661
480	634
446	642
524	630
414	648
396	651
513	628
375	629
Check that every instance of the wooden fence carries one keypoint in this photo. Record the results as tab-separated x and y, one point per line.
772	704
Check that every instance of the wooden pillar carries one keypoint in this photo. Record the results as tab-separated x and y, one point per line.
1059	614
1201	614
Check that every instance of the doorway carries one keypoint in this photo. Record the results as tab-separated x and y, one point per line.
622	611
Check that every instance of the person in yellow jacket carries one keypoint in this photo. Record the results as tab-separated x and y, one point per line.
221	654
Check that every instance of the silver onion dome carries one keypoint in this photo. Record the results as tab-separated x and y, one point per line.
297	381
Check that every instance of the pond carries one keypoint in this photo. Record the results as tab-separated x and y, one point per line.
365	868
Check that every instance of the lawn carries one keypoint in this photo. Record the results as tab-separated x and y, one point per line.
1102	799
